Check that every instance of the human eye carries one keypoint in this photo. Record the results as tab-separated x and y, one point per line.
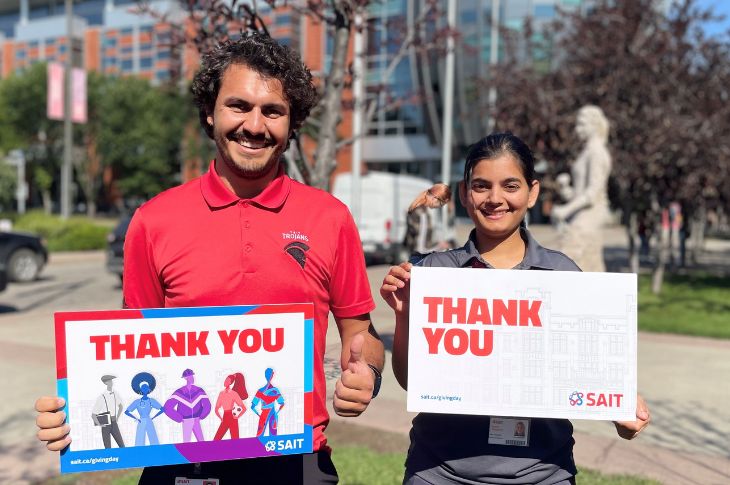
478	186
512	187
274	112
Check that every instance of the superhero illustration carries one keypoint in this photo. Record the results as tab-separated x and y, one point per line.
271	402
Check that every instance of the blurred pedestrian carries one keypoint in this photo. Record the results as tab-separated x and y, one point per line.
420	239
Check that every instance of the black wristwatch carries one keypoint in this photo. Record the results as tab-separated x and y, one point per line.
378	378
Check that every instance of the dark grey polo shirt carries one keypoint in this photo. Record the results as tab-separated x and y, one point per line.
450	448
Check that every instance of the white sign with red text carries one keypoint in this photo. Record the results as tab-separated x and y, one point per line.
550	344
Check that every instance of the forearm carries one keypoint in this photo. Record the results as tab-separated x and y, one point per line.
400	350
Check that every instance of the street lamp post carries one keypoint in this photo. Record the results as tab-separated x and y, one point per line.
67	125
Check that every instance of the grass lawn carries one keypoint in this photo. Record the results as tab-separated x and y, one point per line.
696	304
356	465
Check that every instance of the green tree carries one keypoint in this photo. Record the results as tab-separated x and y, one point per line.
25	126
139	132
663	84
8	182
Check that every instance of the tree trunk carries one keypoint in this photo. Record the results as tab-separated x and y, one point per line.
47	202
698	226
632	231
324	157
663	257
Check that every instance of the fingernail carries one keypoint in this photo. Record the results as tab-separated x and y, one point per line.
61	402
63	415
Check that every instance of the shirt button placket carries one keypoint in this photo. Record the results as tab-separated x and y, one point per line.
246	243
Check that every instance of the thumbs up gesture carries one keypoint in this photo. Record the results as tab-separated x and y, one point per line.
354	388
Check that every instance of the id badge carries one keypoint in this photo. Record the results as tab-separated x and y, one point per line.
509	431
196	481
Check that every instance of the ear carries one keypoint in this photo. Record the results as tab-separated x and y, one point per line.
209	119
534	192
462	193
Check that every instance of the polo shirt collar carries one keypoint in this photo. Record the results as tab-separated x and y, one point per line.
536	256
217	195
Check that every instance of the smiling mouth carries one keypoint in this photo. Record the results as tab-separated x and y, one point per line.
495	214
250	143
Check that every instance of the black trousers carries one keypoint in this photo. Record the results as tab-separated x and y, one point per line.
308	469
112	430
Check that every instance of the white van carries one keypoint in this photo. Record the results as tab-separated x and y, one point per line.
385	198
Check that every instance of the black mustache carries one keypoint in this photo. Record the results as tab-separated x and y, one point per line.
239	137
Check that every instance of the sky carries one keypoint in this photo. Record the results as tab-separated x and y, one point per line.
719	7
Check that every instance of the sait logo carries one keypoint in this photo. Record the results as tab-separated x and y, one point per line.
576	398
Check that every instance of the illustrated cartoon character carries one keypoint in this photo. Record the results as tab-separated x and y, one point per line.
107	409
144	383
189	405
268	397
229	406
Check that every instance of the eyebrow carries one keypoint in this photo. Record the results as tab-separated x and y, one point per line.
236	99
505	181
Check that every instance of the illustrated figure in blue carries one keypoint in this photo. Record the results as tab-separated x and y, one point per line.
268	397
144	383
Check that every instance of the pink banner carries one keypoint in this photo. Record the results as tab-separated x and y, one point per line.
55	91
78	95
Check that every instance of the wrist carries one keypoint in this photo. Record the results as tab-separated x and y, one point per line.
377	380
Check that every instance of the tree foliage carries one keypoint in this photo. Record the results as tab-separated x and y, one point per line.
212	21
660	80
133	128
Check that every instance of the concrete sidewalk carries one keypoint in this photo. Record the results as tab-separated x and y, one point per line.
684	380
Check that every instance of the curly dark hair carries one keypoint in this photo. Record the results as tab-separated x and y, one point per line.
264	55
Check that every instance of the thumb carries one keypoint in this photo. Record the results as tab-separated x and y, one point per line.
356	345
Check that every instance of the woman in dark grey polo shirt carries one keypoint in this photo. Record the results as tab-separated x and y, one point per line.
499	187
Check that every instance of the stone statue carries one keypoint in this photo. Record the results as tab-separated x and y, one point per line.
586	209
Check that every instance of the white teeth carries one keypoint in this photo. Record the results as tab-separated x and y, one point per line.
249	144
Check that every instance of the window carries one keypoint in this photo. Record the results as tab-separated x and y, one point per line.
544	11
145	63
127	65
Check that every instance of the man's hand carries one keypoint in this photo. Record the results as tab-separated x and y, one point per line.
354	388
628	430
51	421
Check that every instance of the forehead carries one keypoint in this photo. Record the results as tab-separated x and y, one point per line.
498	168
241	81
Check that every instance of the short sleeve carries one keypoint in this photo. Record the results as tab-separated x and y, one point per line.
141	283
349	286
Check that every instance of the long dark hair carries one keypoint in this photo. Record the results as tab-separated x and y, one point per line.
238	384
497	144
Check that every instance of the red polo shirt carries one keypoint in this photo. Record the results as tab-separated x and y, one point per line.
200	245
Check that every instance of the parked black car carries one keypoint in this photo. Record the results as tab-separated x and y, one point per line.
115	247
3	277
23	255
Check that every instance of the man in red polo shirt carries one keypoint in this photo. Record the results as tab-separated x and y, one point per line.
245	233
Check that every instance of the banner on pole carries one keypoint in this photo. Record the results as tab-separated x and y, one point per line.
78	95
55	85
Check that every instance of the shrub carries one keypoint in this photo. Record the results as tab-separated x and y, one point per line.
74	234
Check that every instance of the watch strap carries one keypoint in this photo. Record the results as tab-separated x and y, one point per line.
378	379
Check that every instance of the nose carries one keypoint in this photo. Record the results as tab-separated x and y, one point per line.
493	196
254	122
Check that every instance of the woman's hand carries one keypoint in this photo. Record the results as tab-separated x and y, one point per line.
396	287
628	430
